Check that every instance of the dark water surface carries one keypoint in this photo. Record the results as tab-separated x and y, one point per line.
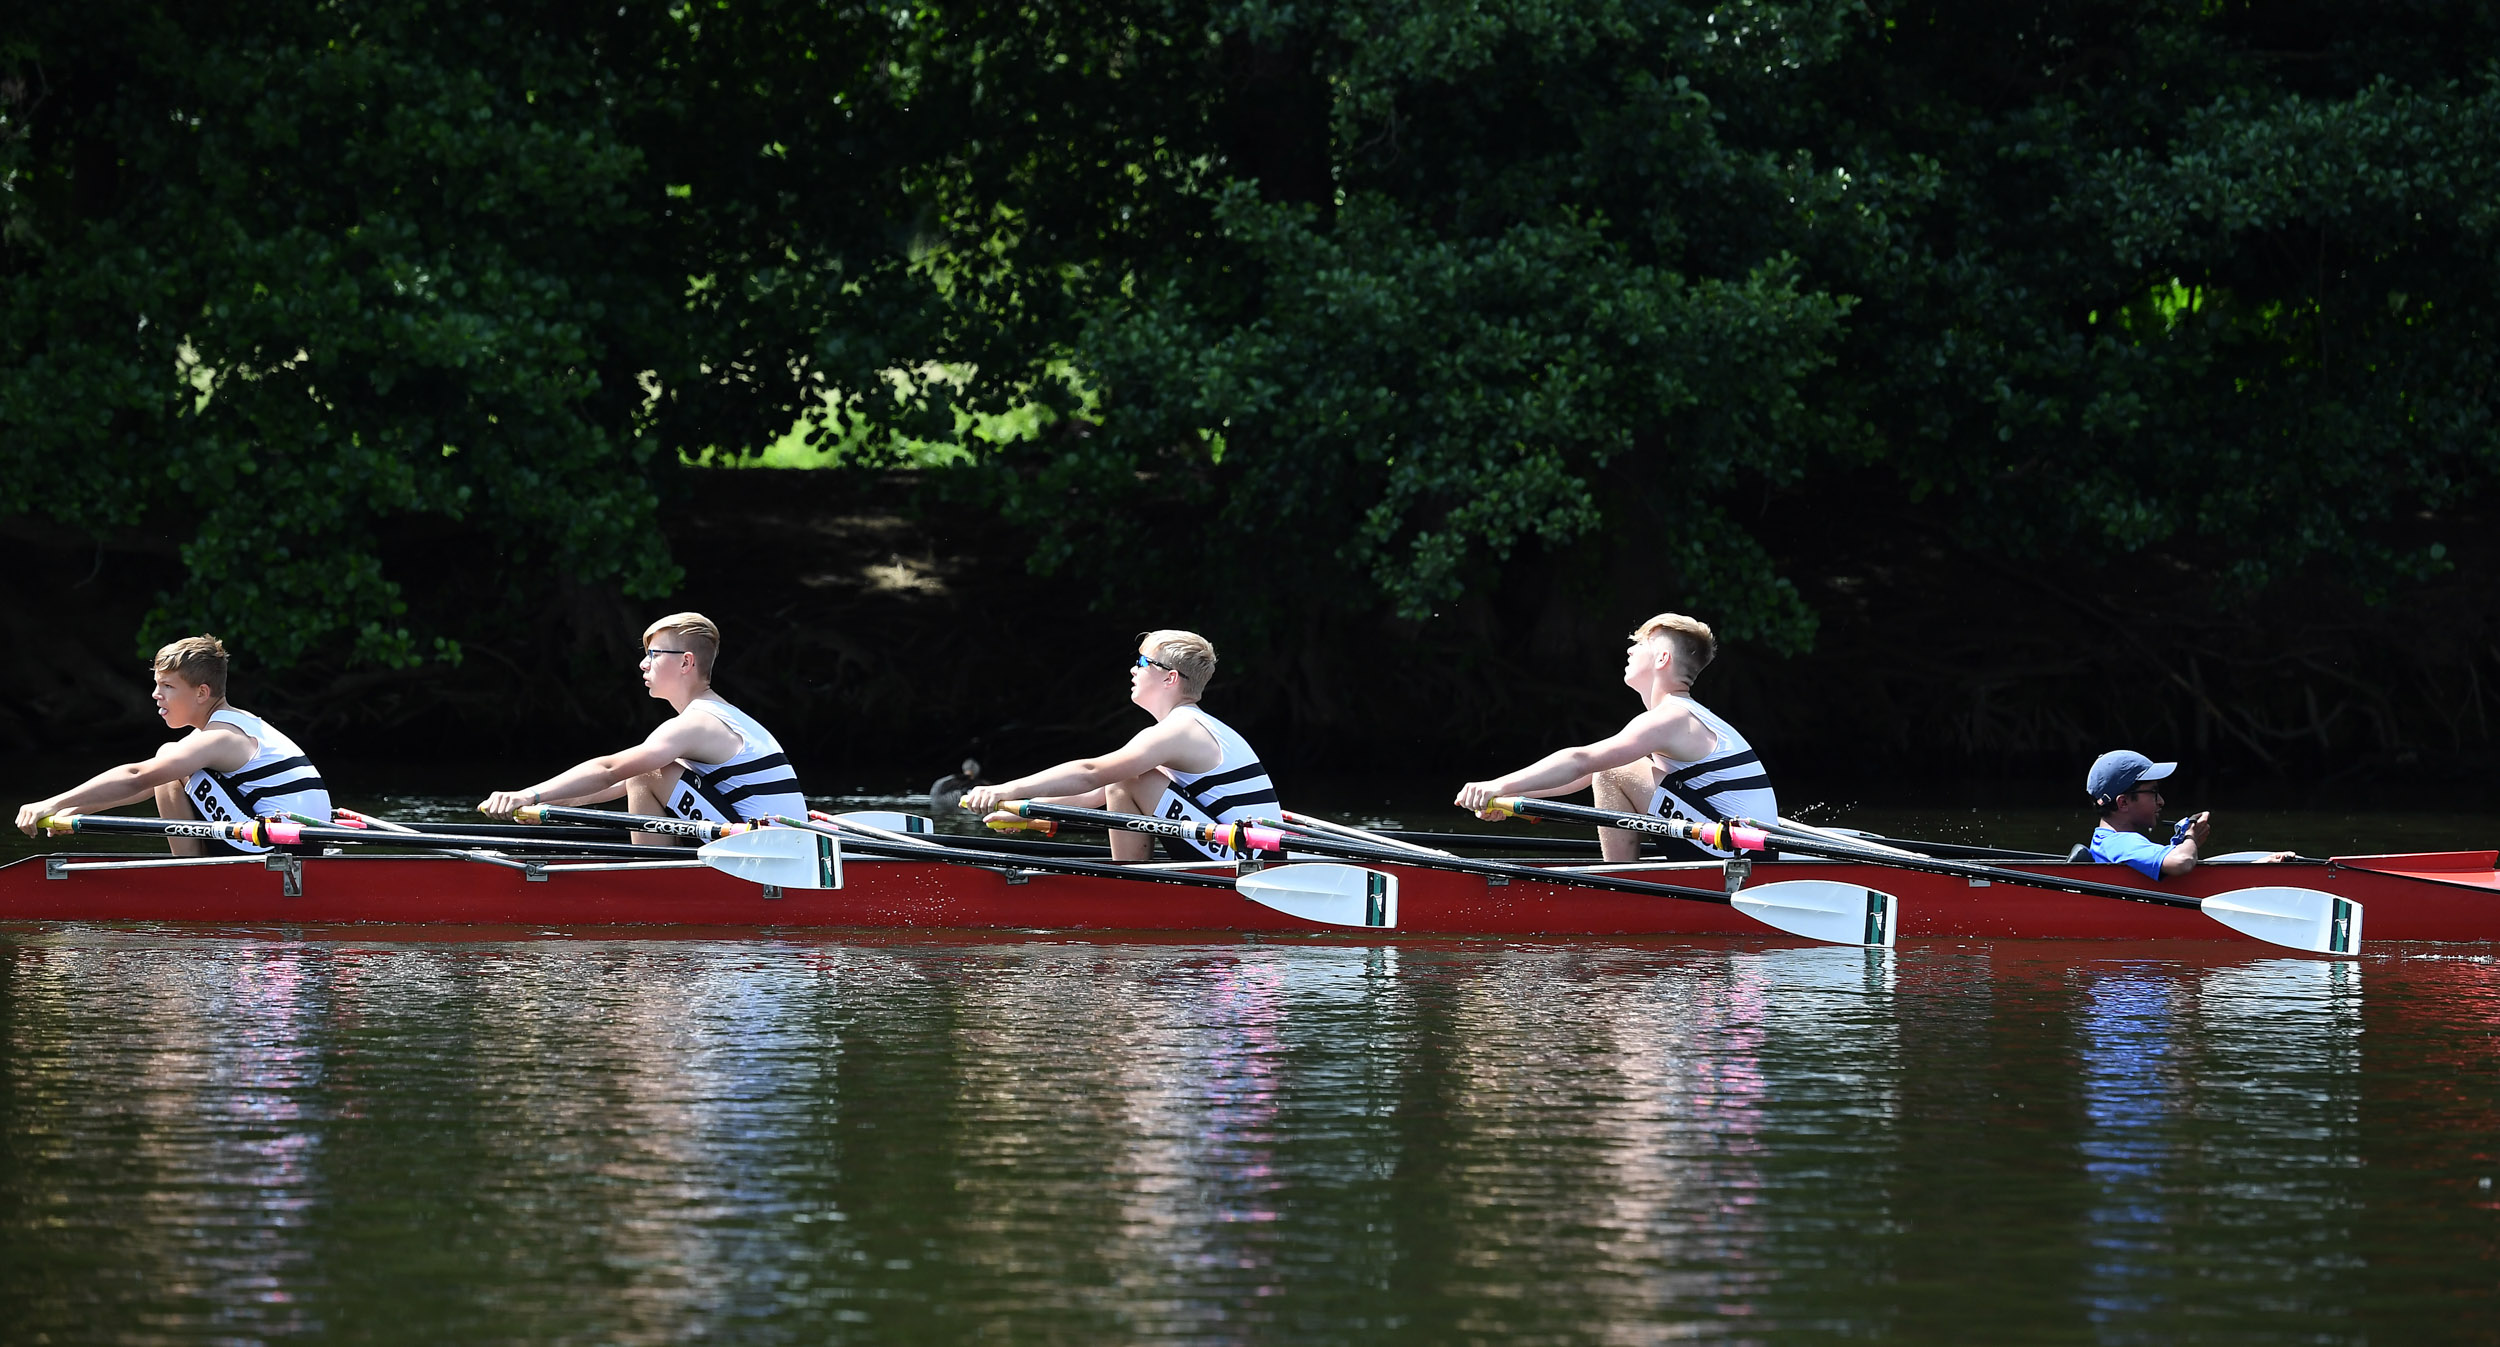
253	1136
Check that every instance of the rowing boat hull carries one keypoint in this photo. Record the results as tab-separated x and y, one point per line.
2444	897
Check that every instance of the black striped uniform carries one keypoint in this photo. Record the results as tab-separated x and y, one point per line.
278	780
1727	783
756	782
1236	790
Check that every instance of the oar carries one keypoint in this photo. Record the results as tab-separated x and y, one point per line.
283	832
924	829
1333	895
1303	823
1340	895
1841	914
351	819
2297	918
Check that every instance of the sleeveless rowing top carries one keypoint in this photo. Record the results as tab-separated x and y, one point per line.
1728	783
756	782
278	780
1236	790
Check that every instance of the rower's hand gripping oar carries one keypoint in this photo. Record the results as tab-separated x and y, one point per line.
1840	914
2303	919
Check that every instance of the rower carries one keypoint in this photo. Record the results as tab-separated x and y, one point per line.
710	761
231	767
1676	759
1187	765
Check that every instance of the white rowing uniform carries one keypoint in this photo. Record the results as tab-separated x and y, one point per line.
277	781
756	782
1235	790
1726	783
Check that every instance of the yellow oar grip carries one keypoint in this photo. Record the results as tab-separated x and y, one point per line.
530	813
1504	806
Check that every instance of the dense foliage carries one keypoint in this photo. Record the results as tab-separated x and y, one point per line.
1338	306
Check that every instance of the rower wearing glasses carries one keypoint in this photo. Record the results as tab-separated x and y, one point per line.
1187	765
1676	759
709	761
233	766
2121	784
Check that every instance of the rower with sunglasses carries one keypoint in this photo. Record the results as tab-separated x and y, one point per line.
2121	784
709	761
1187	765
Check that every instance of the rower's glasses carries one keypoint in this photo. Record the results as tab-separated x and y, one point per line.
650	655
1145	660
2147	790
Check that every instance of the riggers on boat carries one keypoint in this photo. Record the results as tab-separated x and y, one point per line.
2440	896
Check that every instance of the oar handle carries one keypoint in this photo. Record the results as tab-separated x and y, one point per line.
1046	827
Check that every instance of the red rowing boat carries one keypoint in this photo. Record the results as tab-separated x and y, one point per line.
2439	896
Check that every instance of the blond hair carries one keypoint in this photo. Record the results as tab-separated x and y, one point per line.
1694	646
197	660
1186	653
695	633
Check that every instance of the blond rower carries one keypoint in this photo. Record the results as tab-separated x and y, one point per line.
1187	765
708	761
1676	759
232	766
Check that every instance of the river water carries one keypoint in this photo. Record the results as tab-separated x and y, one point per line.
248	1136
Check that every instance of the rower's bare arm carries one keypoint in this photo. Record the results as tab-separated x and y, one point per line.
702	738
1178	744
217	749
1562	771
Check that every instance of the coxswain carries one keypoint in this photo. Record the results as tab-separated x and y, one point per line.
2121	784
232	767
1186	766
710	761
1676	759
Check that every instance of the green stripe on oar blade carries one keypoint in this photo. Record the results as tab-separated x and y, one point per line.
1823	909
783	858
1333	895
2303	919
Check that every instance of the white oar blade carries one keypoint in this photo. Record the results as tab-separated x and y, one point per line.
888	819
1333	895
1822	909
2302	919
781	858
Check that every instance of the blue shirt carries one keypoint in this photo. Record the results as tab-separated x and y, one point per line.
2112	847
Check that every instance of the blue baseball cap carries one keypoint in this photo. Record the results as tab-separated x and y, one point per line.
2121	770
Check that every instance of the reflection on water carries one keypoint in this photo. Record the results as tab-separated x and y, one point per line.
231	1139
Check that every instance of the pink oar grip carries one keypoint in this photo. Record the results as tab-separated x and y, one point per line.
281	834
1263	839
1747	839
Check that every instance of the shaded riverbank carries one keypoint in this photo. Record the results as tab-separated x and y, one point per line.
885	630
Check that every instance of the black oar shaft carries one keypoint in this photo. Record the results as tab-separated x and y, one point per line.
1329	845
1806	844
288	834
1006	860
700	829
